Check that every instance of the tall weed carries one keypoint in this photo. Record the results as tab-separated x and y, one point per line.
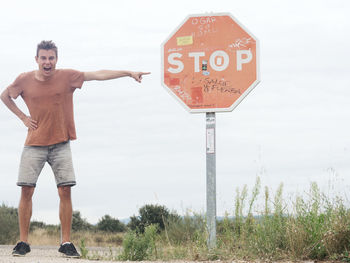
315	228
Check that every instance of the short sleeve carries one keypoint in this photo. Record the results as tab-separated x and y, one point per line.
76	79
15	89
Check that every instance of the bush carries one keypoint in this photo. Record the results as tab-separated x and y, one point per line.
151	215
8	225
137	246
109	224
190	228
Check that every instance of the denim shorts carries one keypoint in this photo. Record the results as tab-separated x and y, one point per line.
58	156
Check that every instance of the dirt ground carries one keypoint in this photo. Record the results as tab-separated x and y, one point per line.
50	254
40	254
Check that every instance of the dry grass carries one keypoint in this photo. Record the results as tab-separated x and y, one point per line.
45	237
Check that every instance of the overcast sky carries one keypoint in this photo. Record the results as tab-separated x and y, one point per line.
137	145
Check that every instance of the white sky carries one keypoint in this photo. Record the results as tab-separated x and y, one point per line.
137	145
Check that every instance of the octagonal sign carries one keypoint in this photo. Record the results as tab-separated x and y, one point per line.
210	63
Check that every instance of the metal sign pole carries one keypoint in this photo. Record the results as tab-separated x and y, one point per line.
219	64
211	179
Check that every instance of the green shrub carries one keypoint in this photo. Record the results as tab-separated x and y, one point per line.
140	246
83	249
190	228
9	230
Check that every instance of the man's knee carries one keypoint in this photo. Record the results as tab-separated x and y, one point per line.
27	192
64	192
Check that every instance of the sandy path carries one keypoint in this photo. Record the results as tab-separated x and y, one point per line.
42	254
50	254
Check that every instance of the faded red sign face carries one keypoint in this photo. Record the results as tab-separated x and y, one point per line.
210	63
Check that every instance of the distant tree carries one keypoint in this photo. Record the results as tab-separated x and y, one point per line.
110	224
151	215
134	223
78	223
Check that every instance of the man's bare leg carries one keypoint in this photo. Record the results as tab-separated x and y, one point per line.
25	212
66	212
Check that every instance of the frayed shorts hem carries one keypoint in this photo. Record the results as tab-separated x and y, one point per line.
26	184
72	183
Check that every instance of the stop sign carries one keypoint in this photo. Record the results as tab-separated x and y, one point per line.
210	63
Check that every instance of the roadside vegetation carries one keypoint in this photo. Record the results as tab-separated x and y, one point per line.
261	226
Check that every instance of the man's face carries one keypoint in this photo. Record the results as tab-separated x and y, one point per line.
46	60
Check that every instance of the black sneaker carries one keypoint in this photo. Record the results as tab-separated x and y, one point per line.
68	249
21	249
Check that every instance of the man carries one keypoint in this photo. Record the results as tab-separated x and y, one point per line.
48	94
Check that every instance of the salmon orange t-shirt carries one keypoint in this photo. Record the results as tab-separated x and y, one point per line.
50	103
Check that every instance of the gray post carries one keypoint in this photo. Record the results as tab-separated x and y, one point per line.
211	179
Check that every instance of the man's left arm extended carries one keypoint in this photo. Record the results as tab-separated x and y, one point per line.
113	74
